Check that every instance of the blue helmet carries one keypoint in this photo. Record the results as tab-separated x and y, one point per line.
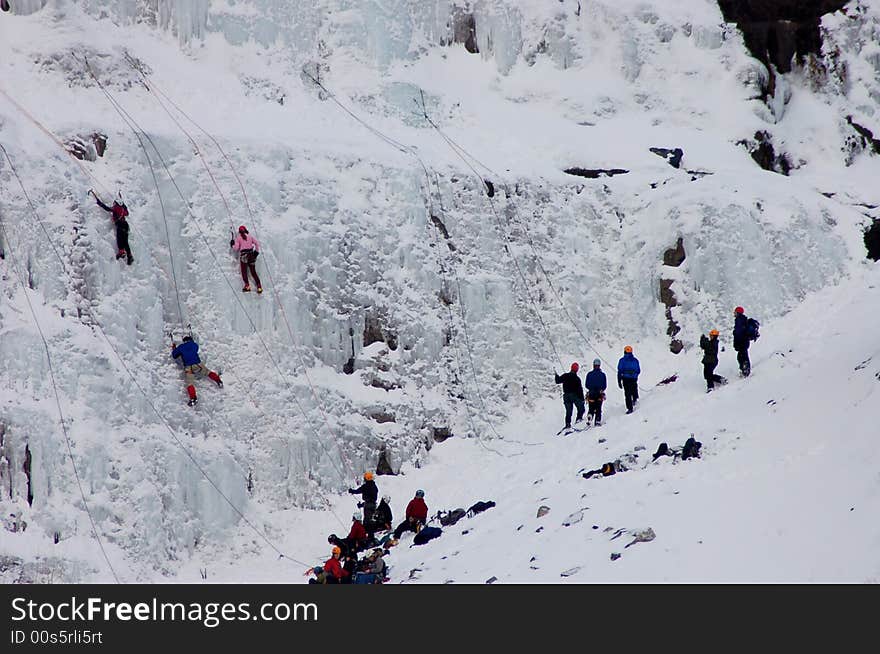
420	493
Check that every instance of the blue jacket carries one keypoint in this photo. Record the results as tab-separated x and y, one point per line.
628	367
596	382
189	350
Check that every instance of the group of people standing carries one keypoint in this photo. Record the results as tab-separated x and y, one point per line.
573	395
745	330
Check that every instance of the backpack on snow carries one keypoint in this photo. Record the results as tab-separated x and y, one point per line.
449	518
426	534
479	507
752	329
691	449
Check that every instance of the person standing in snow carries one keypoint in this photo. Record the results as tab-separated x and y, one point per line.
416	515
572	394
596	384
628	372
118	214
188	351
710	360
369	492
745	330
248	250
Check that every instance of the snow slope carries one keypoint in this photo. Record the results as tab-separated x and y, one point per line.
468	314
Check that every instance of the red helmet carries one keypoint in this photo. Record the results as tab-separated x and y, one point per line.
242	229
575	366
739	310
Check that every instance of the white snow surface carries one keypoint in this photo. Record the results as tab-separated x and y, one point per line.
787	488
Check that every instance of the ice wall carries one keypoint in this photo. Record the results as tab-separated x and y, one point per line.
398	289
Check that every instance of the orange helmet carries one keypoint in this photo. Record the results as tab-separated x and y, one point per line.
336	550
713	332
628	348
368	476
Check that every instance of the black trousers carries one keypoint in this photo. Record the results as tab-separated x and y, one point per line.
572	400
742	357
709	374
630	392
369	509
406	525
122	245
595	410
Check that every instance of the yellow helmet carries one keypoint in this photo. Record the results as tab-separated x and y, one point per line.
368	476
713	332
628	348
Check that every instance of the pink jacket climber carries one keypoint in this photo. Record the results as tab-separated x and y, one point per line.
248	250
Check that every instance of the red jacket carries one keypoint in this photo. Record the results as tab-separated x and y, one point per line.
119	211
417	509
333	567
358	532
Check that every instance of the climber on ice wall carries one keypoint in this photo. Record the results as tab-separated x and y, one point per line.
248	250
188	351
118	214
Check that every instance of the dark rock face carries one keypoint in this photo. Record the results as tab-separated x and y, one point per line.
374	332
675	256
777	31
464	28
673	157
383	467
595	173
87	148
672	257
872	240
441	433
866	136
762	151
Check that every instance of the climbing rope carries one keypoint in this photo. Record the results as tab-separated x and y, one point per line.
133	123
465	156
20	275
96	182
407	150
134	379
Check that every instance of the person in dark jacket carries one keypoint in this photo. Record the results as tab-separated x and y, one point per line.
368	492
596	384
382	517
741	341
628	372
188	351
710	360
416	515
341	543
572	394
349	566
118	214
